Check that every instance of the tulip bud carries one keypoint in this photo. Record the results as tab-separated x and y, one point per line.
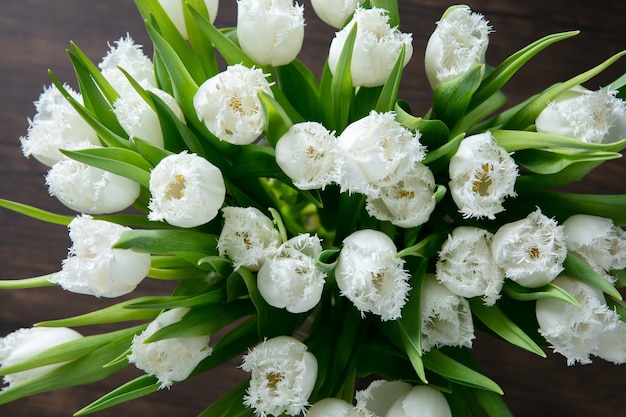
283	374
93	267
334	407
531	250
87	189
335	12
577	332
140	120
187	190
379	396
466	266
376	151
376	48
590	116
446	317
307	154
482	176
229	105
23	344
270	32
429	401
174	10
370	275
458	44
56	125
289	278
247	237
172	359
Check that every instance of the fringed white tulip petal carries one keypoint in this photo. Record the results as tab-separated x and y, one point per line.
531	250
187	190
458	44
446	317
466	266
23	344
376	48
170	360
128	55
482	176
247	237
283	374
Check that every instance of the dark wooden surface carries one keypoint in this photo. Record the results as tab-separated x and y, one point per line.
33	38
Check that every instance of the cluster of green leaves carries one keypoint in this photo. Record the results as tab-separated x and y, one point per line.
346	345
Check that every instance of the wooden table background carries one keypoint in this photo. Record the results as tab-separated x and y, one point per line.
33	37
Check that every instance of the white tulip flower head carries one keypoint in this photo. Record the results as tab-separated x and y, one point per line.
56	125
376	151
334	407
466	266
247	237
376	48
23	344
429	401
289	278
139	120
172	359
408	202
379	396
90	190
174	10
187	190
229	105
531	250
597	240
458	43
370	275
576	332
271	32
128	55
590	116
446	318
283	375
307	154
94	267
335	12
482	176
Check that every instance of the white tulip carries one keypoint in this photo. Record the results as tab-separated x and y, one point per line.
23	344
466	266
458	43
597	240
370	275
56	125
612	344
94	267
376	48
247	236
482	176
334	407
307	154
376	151
590	116
172	359
270	32
578	332
429	401
335	12
174	10
408	202
376	400
187	190
446	318
87	189
289	278
129	56
229	105
283	374
139	120
531	250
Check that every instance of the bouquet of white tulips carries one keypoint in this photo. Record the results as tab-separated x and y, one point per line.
347	250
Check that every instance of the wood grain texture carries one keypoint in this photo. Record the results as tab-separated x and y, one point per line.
33	37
